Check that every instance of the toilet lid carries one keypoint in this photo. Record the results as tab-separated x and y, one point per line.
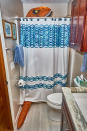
55	98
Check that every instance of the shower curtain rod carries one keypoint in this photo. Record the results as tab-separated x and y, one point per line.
19	18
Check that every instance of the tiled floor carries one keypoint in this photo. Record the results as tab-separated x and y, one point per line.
37	119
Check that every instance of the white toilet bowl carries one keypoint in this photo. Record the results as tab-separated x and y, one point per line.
54	102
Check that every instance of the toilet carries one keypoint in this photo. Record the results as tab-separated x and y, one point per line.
54	102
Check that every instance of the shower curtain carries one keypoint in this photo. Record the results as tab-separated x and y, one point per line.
45	42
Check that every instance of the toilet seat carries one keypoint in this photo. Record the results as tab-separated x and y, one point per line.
54	99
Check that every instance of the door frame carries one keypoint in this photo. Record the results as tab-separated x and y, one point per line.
4	91
8	87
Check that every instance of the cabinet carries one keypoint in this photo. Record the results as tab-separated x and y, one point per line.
78	39
66	121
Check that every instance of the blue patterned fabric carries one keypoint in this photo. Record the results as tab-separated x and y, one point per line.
39	36
57	80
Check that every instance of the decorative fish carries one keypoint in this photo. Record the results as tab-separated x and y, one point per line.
39	12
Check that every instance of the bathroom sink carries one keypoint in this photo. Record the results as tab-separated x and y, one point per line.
81	100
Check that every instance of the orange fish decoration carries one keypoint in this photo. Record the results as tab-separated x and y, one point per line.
39	12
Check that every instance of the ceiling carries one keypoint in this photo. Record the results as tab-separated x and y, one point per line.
45	1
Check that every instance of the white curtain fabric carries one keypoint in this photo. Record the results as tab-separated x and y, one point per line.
44	68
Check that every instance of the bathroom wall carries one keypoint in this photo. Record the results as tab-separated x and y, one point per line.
75	60
69	7
11	8
75	63
59	9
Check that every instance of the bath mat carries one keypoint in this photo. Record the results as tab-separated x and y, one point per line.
23	114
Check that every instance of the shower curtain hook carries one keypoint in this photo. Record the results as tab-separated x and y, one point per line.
19	19
26	19
65	19
55	19
60	19
45	19
23	19
37	19
52	19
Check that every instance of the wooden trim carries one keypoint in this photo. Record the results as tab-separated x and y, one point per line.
4	92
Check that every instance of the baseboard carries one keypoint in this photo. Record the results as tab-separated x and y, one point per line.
20	108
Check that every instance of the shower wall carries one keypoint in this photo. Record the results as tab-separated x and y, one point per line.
11	8
59	9
75	61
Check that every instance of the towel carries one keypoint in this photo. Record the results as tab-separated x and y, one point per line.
19	55
84	64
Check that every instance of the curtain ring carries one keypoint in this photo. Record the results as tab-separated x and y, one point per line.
52	19
23	19
19	19
65	19
26	19
38	19
60	19
45	19
55	19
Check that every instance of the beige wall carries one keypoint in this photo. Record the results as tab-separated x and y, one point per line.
76	58
69	7
59	9
11	8
75	63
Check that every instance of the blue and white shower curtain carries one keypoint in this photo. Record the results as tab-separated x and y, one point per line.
45	43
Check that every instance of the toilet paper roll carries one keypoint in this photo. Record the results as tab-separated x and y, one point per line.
21	82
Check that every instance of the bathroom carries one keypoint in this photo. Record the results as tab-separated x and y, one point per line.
47	114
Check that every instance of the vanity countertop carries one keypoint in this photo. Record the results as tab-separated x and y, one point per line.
78	119
78	89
